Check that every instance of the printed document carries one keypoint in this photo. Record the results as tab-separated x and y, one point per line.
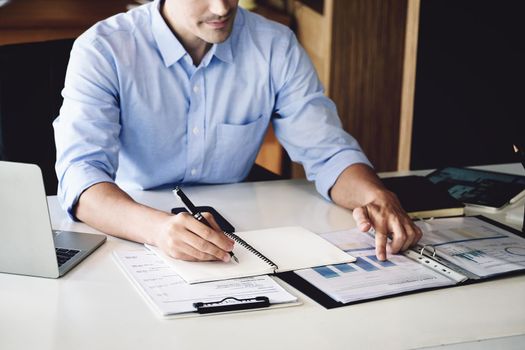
169	294
369	277
474	245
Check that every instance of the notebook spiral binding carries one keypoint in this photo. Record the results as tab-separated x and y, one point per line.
250	248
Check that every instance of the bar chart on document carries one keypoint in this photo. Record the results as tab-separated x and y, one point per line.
474	245
368	277
476	256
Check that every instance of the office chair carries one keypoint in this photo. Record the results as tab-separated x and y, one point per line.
260	173
31	81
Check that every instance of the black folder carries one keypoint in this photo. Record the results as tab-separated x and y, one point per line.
326	301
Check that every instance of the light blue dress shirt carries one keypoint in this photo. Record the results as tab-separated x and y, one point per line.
138	112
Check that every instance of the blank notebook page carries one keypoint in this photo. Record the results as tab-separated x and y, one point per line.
294	247
290	248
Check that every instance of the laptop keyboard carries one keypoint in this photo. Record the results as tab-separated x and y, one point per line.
63	255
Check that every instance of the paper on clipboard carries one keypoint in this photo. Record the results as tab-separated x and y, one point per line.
168	294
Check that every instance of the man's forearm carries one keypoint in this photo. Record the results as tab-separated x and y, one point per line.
107	208
357	186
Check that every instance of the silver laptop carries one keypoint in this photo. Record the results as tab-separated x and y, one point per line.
28	245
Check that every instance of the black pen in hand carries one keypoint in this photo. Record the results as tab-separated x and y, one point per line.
195	213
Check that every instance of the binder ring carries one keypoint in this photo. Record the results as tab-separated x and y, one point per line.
427	247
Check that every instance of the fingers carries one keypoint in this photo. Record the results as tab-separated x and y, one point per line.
404	234
417	234
216	237
413	234
188	239
361	218
211	221
189	253
388	219
399	237
201	248
381	240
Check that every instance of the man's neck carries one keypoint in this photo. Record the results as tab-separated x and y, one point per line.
195	46
196	51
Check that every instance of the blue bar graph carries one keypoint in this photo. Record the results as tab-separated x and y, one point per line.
365	265
471	255
386	263
326	272
344	268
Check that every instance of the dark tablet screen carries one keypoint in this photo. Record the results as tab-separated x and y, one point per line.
479	187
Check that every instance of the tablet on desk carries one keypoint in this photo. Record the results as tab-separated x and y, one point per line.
480	188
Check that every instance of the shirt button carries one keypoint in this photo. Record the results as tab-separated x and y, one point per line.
195	131
193	171
196	89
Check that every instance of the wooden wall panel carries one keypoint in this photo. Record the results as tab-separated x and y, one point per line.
367	71
409	85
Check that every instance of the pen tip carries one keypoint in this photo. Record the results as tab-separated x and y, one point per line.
235	258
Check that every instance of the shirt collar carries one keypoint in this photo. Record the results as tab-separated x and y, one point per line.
172	50
224	51
169	46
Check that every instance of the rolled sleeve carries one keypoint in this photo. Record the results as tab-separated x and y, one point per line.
307	124
80	177
331	170
88	127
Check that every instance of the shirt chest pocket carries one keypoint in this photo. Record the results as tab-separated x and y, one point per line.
236	148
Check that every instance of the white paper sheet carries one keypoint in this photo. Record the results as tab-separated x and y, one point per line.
169	294
290	248
368	277
475	245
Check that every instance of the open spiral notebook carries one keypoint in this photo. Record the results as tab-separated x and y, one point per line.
262	252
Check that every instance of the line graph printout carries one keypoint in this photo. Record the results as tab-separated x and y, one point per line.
368	277
475	245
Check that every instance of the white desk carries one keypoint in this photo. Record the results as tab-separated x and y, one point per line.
95	307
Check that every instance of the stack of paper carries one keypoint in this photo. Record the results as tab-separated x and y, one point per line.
169	294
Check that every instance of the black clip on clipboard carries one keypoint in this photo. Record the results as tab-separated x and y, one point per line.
231	304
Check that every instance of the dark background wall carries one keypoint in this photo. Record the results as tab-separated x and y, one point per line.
469	96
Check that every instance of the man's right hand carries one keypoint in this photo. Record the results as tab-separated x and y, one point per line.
185	238
107	208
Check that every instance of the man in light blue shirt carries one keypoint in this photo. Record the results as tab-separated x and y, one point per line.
182	92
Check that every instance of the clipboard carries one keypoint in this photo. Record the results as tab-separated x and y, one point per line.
164	283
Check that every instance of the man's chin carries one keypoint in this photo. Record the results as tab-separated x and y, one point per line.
216	37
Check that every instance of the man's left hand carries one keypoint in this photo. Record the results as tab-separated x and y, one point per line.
388	219
374	207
